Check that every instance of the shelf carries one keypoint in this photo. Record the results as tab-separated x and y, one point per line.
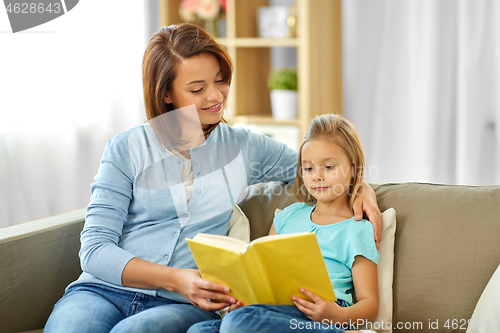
264	120
259	42
318	47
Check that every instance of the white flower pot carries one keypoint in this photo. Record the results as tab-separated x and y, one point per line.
284	104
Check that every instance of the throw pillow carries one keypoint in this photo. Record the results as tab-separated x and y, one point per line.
383	322
486	315
239	226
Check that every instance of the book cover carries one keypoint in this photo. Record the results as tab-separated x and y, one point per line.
268	270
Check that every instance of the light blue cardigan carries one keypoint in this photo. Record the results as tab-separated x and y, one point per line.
138	205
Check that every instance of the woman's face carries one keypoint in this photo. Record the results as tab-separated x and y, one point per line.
199	82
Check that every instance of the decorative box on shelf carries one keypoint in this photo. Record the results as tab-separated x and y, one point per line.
276	21
287	134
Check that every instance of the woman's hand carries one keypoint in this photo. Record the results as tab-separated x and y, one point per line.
139	273
366	201
319	309
198	291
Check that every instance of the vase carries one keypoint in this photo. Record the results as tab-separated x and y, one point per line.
284	104
211	27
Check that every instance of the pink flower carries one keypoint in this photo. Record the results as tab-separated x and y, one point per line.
223	4
208	9
187	10
192	10
189	5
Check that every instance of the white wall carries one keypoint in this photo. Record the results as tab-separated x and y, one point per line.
66	87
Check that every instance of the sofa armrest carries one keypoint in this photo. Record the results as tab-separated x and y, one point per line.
38	260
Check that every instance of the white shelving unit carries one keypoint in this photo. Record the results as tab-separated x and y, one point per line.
319	60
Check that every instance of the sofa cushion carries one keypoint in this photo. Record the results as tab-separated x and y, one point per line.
436	280
486	316
261	202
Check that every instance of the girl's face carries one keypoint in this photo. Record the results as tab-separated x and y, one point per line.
199	81
326	171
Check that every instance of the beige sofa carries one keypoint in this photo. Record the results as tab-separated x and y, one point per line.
446	249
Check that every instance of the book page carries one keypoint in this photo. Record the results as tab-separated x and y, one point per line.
273	238
229	268
223	242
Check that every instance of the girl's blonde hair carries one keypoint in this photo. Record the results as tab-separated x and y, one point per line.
340	131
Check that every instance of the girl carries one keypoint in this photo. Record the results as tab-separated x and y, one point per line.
328	179
158	183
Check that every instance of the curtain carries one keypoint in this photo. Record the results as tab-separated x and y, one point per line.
66	87
421	85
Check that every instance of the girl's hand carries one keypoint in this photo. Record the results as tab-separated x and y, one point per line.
198	291
366	201
319	309
235	306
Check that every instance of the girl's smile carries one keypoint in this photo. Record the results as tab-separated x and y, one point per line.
318	188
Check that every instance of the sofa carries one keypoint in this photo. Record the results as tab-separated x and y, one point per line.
446	248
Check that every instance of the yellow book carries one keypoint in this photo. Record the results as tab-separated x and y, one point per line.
269	270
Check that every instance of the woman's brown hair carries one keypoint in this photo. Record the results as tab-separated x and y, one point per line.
165	50
340	131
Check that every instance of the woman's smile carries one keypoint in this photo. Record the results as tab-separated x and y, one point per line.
214	108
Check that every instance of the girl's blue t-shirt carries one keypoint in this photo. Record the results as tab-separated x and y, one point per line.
340	243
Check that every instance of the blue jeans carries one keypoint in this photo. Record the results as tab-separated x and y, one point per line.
96	308
265	318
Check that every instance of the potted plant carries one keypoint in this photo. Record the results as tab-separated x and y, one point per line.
283	86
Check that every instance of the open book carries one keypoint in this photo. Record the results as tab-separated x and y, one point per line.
269	270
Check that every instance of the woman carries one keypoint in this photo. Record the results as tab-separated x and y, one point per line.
161	182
